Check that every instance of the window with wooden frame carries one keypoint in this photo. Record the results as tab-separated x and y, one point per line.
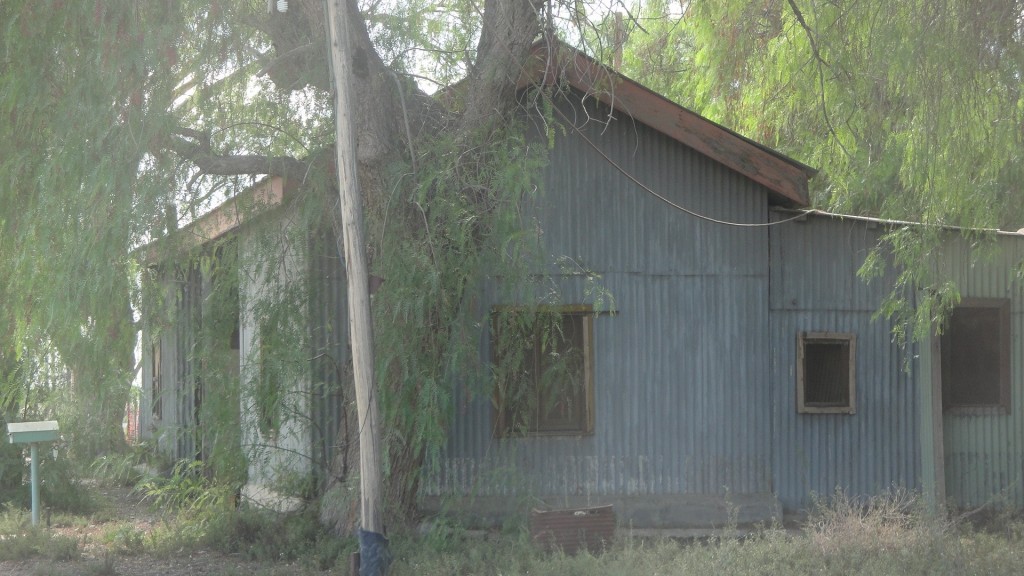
975	350
825	375
543	371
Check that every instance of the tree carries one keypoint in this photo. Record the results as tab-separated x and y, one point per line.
124	120
911	110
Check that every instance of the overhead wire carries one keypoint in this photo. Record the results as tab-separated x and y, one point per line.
659	196
634	179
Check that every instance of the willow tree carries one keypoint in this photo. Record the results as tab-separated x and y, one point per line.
912	110
123	120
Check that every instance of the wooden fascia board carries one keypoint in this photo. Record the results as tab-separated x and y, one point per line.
787	180
228	216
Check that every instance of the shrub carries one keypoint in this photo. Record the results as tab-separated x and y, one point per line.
270	536
116	469
188	489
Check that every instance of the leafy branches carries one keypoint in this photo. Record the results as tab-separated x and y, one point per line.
911	110
458	223
195	147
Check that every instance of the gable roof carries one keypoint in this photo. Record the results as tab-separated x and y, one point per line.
553	61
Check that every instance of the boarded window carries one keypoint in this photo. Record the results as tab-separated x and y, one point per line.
542	371
825	374
975	349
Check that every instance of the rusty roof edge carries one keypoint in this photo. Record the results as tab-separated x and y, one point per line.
550	60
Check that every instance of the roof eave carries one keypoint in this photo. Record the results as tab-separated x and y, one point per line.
226	218
785	178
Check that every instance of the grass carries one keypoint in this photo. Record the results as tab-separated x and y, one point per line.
19	540
882	536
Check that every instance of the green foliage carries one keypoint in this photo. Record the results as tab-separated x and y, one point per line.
124	539
259	535
20	541
189	490
911	111
116	469
455	224
538	362
62	488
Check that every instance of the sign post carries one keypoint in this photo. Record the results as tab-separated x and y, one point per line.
32	433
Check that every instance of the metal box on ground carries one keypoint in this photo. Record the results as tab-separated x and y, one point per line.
573	529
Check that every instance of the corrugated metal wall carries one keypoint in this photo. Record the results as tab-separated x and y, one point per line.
187	388
165	426
815	288
681	369
984	453
330	363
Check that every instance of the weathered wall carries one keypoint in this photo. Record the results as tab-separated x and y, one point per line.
273	271
681	367
173	428
815	288
984	452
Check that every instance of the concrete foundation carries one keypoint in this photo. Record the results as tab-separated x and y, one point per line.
684	512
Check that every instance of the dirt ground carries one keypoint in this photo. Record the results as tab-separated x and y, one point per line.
123	506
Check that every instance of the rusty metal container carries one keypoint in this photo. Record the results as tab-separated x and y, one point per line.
573	529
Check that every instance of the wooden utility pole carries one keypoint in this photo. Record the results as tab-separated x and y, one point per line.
372	544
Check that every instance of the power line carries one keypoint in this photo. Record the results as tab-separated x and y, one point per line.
661	197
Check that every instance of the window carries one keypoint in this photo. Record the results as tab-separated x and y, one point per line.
825	377
268	389
542	371
975	349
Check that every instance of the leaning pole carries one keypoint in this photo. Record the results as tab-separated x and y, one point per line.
373	546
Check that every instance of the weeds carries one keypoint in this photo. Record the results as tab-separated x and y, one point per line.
116	470
124	539
19	540
188	489
889	535
264	536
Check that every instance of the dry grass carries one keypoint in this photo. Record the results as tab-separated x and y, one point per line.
889	535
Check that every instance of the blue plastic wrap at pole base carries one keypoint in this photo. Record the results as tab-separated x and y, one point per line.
374	554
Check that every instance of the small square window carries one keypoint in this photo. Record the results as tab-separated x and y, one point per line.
975	350
825	376
542	371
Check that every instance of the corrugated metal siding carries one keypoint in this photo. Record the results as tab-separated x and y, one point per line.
676	412
166	429
815	288
984	454
187	387
329	342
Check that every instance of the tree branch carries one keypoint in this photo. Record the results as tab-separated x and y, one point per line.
197	150
811	38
